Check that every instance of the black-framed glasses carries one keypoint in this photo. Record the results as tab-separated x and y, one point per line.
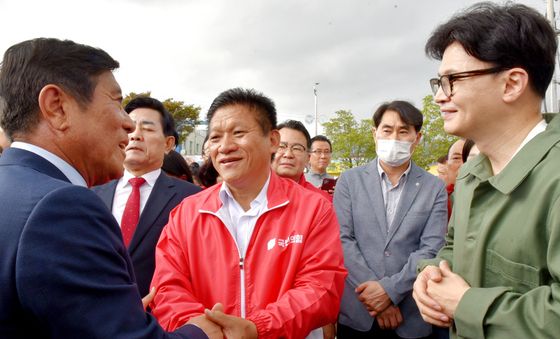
296	149
446	81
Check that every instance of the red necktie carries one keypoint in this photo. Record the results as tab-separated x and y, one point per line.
131	210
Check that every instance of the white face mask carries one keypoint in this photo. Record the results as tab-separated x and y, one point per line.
393	152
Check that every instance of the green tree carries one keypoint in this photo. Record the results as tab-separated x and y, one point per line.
352	141
435	142
185	116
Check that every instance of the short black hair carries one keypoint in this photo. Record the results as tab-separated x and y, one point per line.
321	138
508	35
257	101
409	114
167	122
298	126
31	65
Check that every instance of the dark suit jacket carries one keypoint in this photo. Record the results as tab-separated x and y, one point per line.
167	193
64	270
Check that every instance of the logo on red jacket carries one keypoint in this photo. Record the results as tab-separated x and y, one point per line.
292	239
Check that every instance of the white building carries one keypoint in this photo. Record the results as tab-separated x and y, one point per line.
192	145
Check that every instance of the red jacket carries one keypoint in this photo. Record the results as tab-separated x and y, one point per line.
293	271
450	189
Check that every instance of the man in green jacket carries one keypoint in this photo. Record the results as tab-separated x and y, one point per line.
498	276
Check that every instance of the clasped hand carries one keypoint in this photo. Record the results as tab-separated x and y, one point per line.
373	296
438	291
379	305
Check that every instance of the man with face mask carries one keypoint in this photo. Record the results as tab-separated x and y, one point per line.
391	213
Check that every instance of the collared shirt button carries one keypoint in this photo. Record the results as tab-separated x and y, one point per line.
387	253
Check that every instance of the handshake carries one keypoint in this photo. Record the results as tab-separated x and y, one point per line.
215	323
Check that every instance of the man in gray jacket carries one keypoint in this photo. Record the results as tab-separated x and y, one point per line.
392	213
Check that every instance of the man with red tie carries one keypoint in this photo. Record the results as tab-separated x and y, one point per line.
142	199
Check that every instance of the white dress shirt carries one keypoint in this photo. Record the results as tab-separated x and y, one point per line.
239	223
123	189
70	172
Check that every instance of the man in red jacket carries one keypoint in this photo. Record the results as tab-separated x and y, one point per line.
262	252
292	155
290	160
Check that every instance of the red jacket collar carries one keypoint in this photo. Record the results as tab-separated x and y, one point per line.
276	195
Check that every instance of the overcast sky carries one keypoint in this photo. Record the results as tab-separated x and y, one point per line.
361	52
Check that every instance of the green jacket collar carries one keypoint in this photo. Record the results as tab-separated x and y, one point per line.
522	163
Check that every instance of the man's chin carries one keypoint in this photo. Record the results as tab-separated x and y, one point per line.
450	129
286	174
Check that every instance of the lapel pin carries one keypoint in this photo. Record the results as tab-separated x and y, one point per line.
417	184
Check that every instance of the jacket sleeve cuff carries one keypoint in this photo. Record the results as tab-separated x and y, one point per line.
192	332
389	288
427	262
262	322
472	309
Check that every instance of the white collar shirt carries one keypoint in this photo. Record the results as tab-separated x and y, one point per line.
70	172
241	223
123	190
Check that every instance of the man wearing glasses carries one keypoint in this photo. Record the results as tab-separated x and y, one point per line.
291	158
321	150
498	276
292	155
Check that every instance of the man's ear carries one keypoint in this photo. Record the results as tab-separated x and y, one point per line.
418	138
274	139
54	106
516	83
169	143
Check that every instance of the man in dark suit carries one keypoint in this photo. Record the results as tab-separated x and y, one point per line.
64	270
391	214
153	137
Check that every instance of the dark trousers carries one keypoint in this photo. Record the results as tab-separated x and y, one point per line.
345	332
440	332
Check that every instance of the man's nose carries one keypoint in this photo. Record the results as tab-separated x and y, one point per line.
136	133
128	124
288	153
440	96
226	144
